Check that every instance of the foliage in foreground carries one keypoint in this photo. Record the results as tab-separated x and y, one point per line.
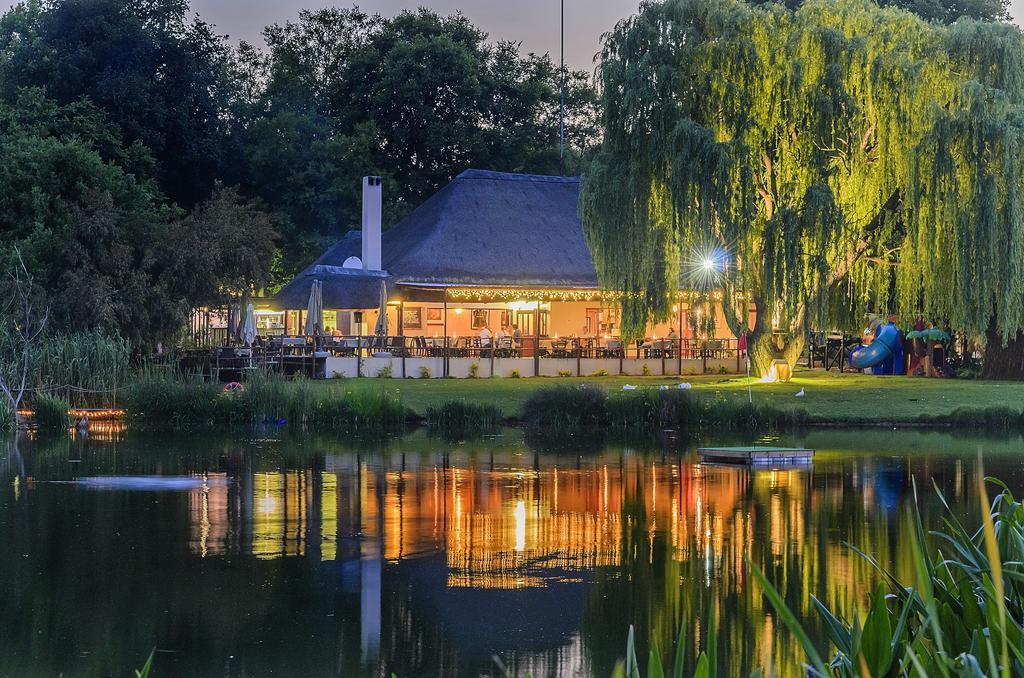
161	401
963	615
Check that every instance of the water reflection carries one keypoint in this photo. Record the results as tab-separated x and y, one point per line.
317	557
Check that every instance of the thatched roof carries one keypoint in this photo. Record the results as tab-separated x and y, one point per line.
484	228
342	288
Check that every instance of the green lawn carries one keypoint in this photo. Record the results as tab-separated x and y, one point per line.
831	396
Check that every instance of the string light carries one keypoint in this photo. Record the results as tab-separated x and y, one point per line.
511	294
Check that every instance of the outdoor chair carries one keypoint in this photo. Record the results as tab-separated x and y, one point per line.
505	349
614	349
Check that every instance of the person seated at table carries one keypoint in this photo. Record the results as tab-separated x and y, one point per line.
484	335
671	336
336	332
517	336
501	334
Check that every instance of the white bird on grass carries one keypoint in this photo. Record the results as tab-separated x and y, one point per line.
629	387
801	393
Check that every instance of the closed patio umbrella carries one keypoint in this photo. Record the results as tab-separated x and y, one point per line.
381	329
249	326
314	309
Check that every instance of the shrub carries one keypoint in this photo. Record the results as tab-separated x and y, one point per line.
513	374
51	413
384	372
424	372
566	408
646	371
474	370
458	418
565	373
994	418
600	373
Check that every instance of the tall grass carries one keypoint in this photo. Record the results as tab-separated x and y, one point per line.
157	400
51	413
86	368
461	419
963	614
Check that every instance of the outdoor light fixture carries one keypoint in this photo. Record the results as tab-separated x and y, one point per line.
458	311
705	267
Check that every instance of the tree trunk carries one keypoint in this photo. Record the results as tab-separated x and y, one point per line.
1003	361
764	346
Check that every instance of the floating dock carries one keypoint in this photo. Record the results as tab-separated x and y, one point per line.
756	455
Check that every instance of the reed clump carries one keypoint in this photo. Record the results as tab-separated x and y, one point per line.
51	413
567	408
182	402
462	419
87	368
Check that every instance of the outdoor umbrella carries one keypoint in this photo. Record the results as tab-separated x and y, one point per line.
381	330
314	309
249	326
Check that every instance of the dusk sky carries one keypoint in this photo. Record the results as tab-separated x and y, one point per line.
533	22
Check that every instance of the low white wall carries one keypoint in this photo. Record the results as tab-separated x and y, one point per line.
459	368
336	368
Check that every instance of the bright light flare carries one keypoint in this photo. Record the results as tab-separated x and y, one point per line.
705	267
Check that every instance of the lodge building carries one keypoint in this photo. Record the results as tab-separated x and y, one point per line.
489	250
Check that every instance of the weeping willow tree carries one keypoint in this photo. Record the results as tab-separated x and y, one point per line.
842	158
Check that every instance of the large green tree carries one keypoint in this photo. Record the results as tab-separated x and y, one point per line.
843	157
163	80
416	98
101	243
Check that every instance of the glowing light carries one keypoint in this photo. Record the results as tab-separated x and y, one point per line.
705	267
520	516
458	311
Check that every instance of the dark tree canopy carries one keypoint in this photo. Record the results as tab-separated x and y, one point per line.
846	157
103	243
163	81
416	98
148	167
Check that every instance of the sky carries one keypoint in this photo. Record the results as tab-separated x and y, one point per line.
532	22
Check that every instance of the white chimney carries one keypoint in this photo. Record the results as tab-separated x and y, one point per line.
371	223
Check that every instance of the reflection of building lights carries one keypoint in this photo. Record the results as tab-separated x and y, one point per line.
520	517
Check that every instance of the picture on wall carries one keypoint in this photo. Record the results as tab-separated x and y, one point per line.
412	318
434	316
480	318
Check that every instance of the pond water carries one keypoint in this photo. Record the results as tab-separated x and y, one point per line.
318	556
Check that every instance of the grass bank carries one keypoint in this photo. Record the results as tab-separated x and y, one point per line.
842	399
